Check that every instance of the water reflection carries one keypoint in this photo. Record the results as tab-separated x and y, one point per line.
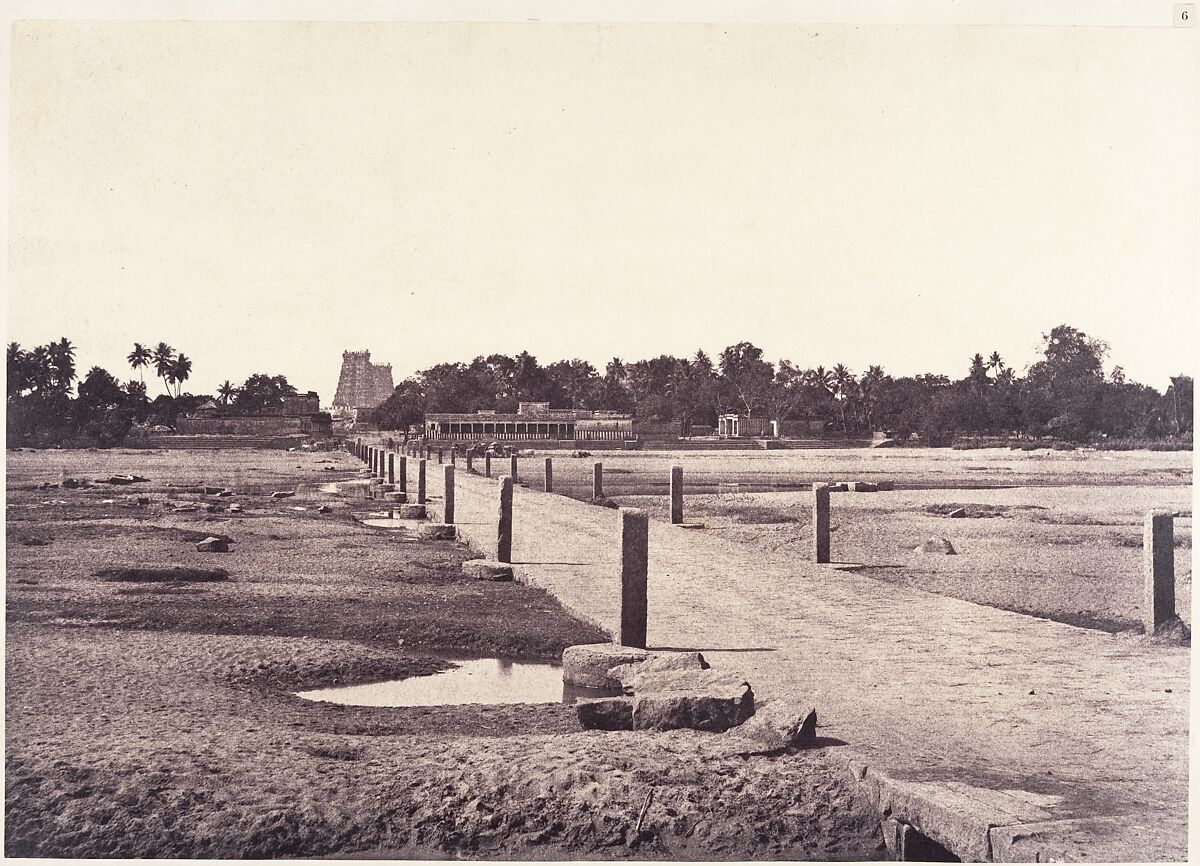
472	681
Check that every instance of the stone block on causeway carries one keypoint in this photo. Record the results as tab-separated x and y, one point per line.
437	532
386	488
605	714
704	700
629	674
410	512
395	496
779	725
864	486
588	664
487	569
886	485
838	487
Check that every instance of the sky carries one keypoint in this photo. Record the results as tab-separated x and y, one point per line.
264	195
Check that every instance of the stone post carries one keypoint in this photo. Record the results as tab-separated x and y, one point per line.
440	461
635	554
1158	555
384	457
370	459
470	462
391	473
448	494
504	526
597	480
403	474
512	468
549	475
677	494
821	522
453	456
487	465
421	483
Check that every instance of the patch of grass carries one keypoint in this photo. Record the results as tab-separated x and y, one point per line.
336	751
759	514
172	588
972	509
175	574
1072	520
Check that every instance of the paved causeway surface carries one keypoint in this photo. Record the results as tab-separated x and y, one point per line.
1081	723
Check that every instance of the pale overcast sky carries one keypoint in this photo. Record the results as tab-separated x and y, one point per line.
265	195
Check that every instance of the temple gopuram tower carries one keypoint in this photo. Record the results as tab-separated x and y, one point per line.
361	383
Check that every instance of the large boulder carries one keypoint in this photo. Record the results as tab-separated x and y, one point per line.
631	673
705	700
605	714
780	725
588	664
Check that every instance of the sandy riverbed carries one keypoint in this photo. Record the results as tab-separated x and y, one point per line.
158	719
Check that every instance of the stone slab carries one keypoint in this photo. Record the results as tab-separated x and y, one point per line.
589	664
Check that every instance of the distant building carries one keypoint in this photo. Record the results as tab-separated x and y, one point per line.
298	414
362	383
737	426
531	422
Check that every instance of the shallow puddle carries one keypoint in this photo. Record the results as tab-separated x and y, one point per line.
473	681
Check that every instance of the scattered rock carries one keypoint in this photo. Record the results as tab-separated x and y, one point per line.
936	545
864	486
283	494
486	569
437	532
186	506
588	664
631	673
213	545
235	509
705	700
213	491
75	483
604	502
324	509
151	575
213	508
958	512
1173	632
225	492
45	485
297	508
605	714
137	501
122	479
410	512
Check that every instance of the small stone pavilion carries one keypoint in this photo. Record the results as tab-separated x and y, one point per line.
735	426
531	422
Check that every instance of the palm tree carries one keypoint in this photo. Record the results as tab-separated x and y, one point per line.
181	368
164	358
139	358
62	360
843	387
226	391
996	363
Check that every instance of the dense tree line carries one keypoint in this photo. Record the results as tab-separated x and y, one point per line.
1065	395
40	408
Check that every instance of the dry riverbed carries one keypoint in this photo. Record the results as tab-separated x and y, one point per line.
158	718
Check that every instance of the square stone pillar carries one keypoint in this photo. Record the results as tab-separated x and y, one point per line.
549	475
821	522
1158	555
635	561
504	526
677	494
597	480
448	494
402	475
391	468
512	468
421	482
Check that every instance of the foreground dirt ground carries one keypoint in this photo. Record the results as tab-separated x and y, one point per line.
158	719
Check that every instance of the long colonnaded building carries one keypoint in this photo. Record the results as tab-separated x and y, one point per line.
531	422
